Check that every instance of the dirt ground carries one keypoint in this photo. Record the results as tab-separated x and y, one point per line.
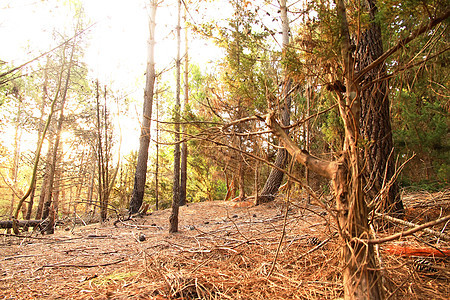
223	250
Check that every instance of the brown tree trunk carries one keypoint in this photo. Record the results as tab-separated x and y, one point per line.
45	180
101	160
241	180
90	193
275	178
375	122
54	156
144	140
15	164
362	278
184	149
176	155
157	156
59	127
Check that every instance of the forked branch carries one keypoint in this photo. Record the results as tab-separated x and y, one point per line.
324	168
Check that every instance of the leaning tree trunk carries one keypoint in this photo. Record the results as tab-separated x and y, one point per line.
275	178
375	122
140	176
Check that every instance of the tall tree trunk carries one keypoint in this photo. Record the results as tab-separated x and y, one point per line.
275	178
101	159
309	97
53	165
144	140
59	126
184	150
176	156
45	179
16	156
40	143
40	129
55	192
362	278
157	156
90	193
375	122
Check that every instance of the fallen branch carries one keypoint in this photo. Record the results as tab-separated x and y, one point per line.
441	235
26	223
405	233
82	266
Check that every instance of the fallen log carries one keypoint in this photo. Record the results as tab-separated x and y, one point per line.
24	223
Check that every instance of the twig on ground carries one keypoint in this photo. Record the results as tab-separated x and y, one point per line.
81	265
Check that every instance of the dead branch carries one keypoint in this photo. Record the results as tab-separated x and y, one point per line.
438	234
407	232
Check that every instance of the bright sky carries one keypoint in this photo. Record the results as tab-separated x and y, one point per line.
117	50
118	40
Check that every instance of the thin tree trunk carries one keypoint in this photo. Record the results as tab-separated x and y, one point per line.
40	129
39	147
157	156
90	193
184	150
176	156
144	140
15	164
45	180
241	180
54	209
309	98
100	157
375	122
256	179
275	178
59	126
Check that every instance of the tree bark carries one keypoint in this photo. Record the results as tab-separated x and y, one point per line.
184	149
375	122
144	140
157	156
176	155
361	277
275	178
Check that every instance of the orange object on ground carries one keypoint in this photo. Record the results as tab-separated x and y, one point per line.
415	251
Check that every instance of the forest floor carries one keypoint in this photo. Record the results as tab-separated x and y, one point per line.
223	250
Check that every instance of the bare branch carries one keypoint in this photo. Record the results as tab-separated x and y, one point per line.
438	234
326	169
407	232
